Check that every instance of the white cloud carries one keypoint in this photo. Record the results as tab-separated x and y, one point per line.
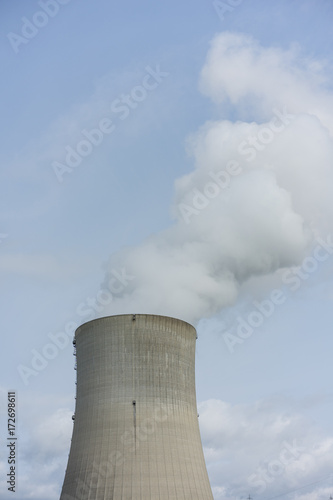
53	432
42	450
265	447
238	68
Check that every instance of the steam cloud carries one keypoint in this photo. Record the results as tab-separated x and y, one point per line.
260	193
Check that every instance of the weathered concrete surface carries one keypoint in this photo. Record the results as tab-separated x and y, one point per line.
136	433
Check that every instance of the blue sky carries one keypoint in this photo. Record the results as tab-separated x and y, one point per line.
218	83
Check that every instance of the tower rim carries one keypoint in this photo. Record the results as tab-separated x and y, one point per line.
134	317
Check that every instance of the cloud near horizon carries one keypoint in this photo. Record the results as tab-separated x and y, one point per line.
266	448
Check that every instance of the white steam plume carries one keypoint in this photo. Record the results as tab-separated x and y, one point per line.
260	192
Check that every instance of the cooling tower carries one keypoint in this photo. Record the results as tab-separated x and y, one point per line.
136	433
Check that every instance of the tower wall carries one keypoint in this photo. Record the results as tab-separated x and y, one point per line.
136	433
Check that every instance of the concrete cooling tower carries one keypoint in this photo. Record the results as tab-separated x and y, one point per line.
136	433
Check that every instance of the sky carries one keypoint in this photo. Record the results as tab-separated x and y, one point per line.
172	158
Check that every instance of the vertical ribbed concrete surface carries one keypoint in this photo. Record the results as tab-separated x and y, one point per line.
136	433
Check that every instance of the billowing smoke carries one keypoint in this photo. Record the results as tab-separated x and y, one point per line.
260	192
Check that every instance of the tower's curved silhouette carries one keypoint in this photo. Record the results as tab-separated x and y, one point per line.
136	433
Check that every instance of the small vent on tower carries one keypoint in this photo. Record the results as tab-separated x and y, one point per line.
134	421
